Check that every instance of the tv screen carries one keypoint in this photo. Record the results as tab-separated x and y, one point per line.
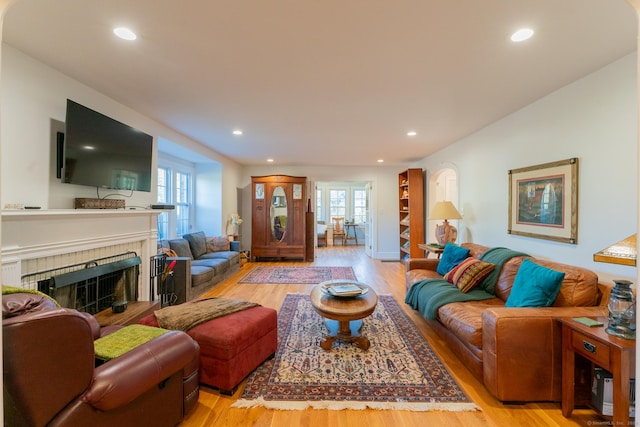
102	152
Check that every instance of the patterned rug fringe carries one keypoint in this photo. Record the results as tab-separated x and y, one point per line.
342	405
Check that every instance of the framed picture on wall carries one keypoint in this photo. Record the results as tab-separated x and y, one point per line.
297	191
543	201
260	191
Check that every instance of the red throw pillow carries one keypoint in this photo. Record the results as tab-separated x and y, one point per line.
469	273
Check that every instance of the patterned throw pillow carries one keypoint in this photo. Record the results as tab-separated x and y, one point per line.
469	273
217	244
451	256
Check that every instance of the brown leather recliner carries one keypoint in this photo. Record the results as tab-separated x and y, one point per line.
50	376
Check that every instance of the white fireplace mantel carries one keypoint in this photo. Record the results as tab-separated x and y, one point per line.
50	234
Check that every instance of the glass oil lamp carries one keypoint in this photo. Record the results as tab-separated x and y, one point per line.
622	312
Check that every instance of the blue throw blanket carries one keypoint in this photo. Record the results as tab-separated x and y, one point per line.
428	295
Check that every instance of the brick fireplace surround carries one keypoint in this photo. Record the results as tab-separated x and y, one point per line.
40	240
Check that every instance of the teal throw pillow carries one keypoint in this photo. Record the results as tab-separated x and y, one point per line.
451	256
534	286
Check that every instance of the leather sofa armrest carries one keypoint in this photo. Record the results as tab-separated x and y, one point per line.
121	380
421	263
521	350
235	246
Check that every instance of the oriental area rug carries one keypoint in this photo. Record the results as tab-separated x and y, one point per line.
297	275
398	371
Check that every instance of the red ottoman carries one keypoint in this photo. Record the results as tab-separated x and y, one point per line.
232	346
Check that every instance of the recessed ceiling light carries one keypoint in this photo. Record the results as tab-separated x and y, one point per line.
522	35
380	161
237	132
270	160
412	133
125	33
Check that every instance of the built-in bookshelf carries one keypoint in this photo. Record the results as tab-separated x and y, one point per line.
411	204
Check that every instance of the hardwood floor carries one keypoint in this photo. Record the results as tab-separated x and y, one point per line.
386	278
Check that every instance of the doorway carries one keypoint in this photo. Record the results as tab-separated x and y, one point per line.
347	200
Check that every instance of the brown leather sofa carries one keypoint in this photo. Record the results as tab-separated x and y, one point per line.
515	352
50	376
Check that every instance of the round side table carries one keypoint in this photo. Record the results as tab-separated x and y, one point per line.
343	314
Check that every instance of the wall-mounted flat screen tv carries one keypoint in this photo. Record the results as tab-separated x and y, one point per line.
102	152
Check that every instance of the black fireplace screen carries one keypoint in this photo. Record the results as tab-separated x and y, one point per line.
91	286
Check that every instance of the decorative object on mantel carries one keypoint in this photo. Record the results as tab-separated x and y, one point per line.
543	201
624	252
88	203
445	232
622	311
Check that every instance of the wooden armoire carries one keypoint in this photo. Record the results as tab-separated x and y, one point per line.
278	217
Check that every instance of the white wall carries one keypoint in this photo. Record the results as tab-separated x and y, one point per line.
383	203
594	119
33	108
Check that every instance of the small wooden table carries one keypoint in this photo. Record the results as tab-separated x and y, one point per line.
616	355
343	315
135	311
427	248
350	226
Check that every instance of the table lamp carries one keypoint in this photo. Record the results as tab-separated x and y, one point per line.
445	232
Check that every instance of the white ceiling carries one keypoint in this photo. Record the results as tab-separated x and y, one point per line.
332	82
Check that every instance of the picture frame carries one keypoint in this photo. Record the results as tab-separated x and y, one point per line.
260	191
297	191
543	201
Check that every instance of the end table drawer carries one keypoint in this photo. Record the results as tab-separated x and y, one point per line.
594	350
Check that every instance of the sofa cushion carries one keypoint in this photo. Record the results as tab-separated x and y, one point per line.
534	286
451	256
217	244
181	247
232	256
197	243
219	265
163	245
579	287
464	319
201	274
469	273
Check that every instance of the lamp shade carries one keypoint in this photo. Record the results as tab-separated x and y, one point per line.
444	210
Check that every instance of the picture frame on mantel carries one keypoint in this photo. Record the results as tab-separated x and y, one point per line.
543	201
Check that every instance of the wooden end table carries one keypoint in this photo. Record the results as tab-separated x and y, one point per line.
135	311
427	248
616	355
343	316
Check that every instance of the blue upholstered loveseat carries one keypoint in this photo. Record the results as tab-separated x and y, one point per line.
202	262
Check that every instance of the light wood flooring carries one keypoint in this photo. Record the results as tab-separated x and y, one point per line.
386	278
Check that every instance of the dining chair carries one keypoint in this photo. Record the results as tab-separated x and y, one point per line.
338	229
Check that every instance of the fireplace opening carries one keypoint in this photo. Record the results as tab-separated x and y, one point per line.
91	286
